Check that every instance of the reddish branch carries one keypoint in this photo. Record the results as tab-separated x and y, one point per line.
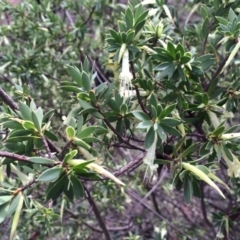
21	158
8	100
97	214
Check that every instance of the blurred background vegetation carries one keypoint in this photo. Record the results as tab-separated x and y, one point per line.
36	41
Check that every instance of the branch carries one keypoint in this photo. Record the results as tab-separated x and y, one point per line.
130	166
46	147
8	100
119	135
218	71
21	158
140	100
97	214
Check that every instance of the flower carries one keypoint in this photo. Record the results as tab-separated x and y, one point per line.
233	166
125	76
149	159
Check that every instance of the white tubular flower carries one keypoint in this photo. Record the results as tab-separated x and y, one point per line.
125	76
233	166
149	159
228	136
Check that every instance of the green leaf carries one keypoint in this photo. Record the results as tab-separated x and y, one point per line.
113	105
21	138
50	175
12	125
13	205
188	151
77	187
69	156
25	111
188	189
171	49
173	122
70	89
50	135
5	198
81	143
21	132
37	122
75	74
70	131
145	124
41	160
167	111
162	161
205	28
149	138
56	188
85	104
218	131
87	132
29	125
79	124
129	18
68	190
3	212
115	36
161	133
86	82
171	130
140	115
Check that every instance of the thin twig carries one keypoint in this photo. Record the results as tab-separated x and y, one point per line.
218	71
46	147
89	17
64	149
97	214
119	135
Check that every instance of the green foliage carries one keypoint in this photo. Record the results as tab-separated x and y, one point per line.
97	95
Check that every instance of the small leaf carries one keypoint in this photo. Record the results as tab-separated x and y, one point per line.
86	82
87	132
161	133
41	160
77	187
141	115
50	175
75	74
69	156
50	135
188	151
25	111
29	125
171	130
188	189
145	124
37	123
5	199
56	188
70	132
149	138
81	143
